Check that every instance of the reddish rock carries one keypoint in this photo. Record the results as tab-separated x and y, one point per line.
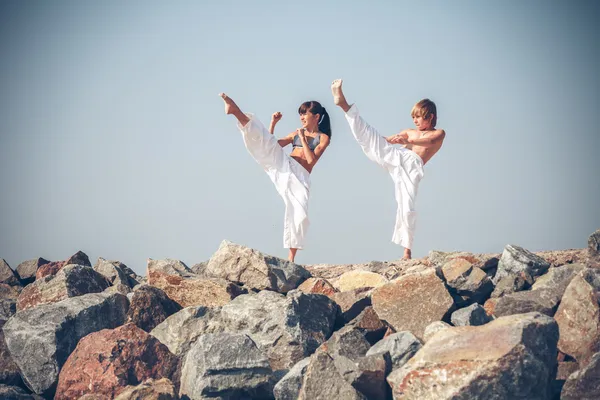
317	285
370	325
105	362
149	307
49	269
412	302
490	306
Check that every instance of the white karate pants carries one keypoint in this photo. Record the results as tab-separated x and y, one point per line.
404	166
291	180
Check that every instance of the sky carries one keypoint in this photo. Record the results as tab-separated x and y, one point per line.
113	140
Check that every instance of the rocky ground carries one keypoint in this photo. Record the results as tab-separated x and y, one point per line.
246	325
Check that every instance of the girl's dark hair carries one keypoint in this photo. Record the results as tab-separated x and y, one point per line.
316	108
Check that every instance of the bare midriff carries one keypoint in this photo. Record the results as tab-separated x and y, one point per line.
298	155
426	153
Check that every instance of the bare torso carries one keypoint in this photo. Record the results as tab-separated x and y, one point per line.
298	153
426	153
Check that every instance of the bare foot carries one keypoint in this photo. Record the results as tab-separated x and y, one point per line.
292	254
338	95
232	108
407	254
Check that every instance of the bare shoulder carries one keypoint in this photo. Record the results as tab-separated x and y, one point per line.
324	138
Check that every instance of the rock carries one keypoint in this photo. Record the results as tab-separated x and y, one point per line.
578	317
8	392
557	279
7	309
288	328
352	302
369	324
467	280
9	371
434	328
516	259
472	315
359	279
512	283
289	386
366	374
7	275
584	384
79	258
317	285
188	289
70	281
347	342
150	389
412	302
8	292
509	358
564	370
53	330
439	258
149	307
593	250
50	268
27	269
179	331
116	272
200	268
105	362
556	258
254	269
544	301
400	347
226	365
490	306
323	381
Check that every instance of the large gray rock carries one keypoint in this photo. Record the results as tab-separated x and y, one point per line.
516	259
412	302
323	381
41	338
593	250
578	317
366	374
509	358
288	328
16	393
512	283
467	280
9	371
116	272
7	309
544	301
585	383
472	315
369	324
71	281
558	278
400	347
254	269
288	387
226	365
179	331
7	275
27	269
347	342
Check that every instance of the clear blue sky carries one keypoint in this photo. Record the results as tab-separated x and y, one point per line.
113	140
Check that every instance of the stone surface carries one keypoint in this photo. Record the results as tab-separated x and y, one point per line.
510	358
7	275
187	288
317	285
8	292
16	393
490	306
320	369
512	283
472	315
253	269
9	371
369	324
593	250
578	316
70	281
116	272
366	374
289	386
347	342
352	302
226	365
467	280
516	259
585	383
41	338
27	269
107	361
353	280
7	309
149	306
50	268
558	278
544	301
150	389
412	302
400	347
434	328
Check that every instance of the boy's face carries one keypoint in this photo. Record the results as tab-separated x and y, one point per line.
423	124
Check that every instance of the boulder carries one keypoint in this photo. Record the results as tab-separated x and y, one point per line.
369	324
9	371
434	328
7	275
512	283
358	279
516	259
585	383
352	302
289	386
593	250
347	342
317	285
323	381
150	389
7	309
116	272
510	358
27	269
366	374
149	306
467	280
255	270
472	315
8	292
399	347
544	301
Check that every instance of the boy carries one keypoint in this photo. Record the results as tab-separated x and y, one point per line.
404	164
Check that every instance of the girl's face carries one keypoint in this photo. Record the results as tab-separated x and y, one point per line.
309	120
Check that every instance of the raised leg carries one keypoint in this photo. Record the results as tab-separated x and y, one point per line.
232	108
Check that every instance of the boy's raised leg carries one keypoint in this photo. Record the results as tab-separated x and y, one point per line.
338	95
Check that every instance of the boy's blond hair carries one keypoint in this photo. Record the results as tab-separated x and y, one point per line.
425	108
